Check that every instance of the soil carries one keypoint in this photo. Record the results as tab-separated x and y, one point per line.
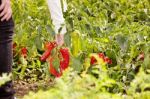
22	88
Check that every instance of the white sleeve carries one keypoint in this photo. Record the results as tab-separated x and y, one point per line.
57	15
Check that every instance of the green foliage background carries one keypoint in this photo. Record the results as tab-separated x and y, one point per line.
119	28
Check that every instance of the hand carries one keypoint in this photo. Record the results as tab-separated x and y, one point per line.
6	11
59	39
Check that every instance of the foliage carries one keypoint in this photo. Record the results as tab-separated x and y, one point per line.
85	86
118	28
73	86
31	30
4	78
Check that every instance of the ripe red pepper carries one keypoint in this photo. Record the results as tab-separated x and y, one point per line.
108	60
102	56
93	60
24	52
49	47
64	62
53	71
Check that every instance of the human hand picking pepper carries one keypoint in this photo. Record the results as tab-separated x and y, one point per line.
59	38
56	12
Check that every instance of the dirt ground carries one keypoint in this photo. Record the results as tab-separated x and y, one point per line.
22	88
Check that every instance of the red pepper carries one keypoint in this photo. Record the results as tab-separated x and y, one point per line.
102	56
24	52
108	60
49	47
53	71
64	62
93	60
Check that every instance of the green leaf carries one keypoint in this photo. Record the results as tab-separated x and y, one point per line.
56	62
76	64
122	41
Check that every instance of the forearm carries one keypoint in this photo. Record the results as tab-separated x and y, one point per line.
57	16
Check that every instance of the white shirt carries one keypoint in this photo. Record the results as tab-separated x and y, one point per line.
57	15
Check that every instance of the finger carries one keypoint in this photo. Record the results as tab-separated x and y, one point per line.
5	17
8	17
56	39
58	42
9	14
4	11
59	39
2	6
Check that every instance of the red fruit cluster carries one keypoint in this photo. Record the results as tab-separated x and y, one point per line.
52	70
24	52
64	60
103	57
49	47
64	63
